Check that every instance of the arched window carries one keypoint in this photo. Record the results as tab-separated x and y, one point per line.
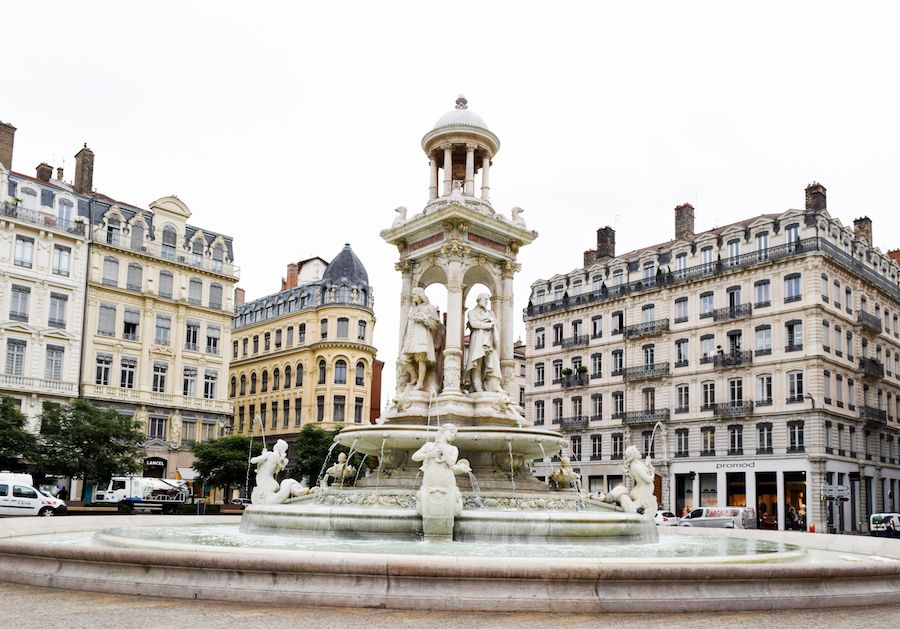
265	381
169	240
361	297
112	229
287	377
197	248
343	295
137	236
252	383
243	384
360	374
340	372
276	379
64	211
218	256
321	372
299	377
233	386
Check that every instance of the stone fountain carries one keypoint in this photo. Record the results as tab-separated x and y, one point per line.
455	449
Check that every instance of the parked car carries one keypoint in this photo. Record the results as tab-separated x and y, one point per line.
666	518
19	496
884	524
721	517
241	502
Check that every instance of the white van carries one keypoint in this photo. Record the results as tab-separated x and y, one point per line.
884	524
721	517
18	496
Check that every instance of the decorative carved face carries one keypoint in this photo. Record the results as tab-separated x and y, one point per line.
418	296
448	431
342	458
483	300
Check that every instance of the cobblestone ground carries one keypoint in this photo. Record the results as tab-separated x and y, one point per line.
24	606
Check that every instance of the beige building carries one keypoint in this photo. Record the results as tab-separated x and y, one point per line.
158	323
305	354
766	354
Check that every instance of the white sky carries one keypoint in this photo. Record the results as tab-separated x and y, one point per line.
295	127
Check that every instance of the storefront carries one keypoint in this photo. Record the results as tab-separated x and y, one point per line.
777	489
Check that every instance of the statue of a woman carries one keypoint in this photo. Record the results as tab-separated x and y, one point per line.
418	352
268	464
483	360
641	495
439	500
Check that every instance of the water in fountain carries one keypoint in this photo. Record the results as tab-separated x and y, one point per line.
475	489
325	464
359	469
380	462
512	471
544	459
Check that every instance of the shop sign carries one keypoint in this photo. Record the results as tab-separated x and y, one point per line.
737	465
155	461
839	492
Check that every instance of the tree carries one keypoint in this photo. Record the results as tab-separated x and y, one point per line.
310	449
16	443
83	441
223	462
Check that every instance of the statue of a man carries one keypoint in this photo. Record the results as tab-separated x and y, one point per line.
418	352
483	360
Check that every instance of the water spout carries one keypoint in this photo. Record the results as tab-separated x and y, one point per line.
543	459
325	464
476	489
358	469
512	471
380	463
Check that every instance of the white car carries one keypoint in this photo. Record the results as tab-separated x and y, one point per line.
18	496
666	518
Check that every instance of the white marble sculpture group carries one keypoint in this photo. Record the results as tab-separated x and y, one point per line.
439	500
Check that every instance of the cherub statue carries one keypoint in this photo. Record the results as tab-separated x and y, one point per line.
268	464
400	218
564	475
517	219
439	497
640	499
341	470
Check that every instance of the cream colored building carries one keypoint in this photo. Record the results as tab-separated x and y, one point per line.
766	353
158	325
305	354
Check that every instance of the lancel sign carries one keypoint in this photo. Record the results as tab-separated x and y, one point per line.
736	466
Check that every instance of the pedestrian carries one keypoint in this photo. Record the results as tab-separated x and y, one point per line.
63	493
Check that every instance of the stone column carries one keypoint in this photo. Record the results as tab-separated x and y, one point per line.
507	359
779	492
433	180
453	348
470	169
722	489
448	169
695	488
405	267
485	180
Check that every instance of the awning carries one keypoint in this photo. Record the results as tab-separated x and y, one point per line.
187	473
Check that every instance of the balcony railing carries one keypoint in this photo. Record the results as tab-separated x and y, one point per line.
575	341
569	424
871	367
156	250
870	321
646	417
38	385
158	399
648	328
44	220
872	414
732	312
645	372
733	409
574	380
734	359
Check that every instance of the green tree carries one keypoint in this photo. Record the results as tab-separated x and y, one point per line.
16	443
83	441
311	449
223	462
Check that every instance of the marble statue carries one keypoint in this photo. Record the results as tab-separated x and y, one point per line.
564	476
517	219
640	499
483	359
268	464
421	342
341	470
400	218
439	500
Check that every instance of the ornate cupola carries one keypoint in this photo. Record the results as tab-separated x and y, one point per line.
462	146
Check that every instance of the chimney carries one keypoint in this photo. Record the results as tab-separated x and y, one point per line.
84	171
815	197
59	173
293	271
862	227
44	171
684	222
606	242
590	256
7	136
894	255
238	296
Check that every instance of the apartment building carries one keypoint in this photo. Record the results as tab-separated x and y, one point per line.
757	363
306	354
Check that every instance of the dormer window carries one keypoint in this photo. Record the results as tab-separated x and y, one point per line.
197	252
169	239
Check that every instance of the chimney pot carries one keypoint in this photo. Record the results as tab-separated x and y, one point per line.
84	171
862	227
590	256
815	196
684	222
239	296
7	137
44	171
894	255
606	242
59	174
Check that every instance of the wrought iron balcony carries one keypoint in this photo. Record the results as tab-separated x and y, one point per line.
575	341
49	221
871	367
733	409
872	414
571	424
734	359
869	321
741	311
156	250
574	380
648	328
632	418
645	372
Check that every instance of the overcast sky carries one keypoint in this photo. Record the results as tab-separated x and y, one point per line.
295	127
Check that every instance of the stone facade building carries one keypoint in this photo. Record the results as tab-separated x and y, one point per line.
765	354
306	354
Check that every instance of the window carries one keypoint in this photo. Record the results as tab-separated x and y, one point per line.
128	368
596	365
735	439
130	326
323	329
851	394
618	400
358	410
706	305
264	381
708	441
538	374
298	406
135	281
54	362
707	348
539	412
342	328
681	310
648	313
680	264
706	255
62	257
734	252
24	251
169	238
618	446
764	390
793	236
597	406
795	436
736	391
195	291
287	377
361	330
256	344
299	375
197	249
618	322
320	408
301	333
795	386
340	372
681	352
557	371
761	293
794	335
215	296
18	306
577	407
557	334
792	288
106	323
103	367
825	286
321	372
649	352
163	326
192	333
682	442
110	271
763	340
848	299
212	339
596	447
683	397
267	341
160	370
189	384
360	374
210	377
596	327
557	410
156	428
618	360
850	346
539	338
709	395
826	336
762	246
